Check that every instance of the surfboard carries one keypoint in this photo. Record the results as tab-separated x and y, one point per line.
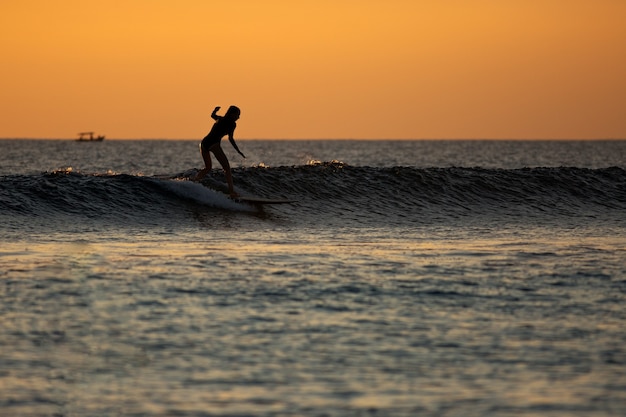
262	200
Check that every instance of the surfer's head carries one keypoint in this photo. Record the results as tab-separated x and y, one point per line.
233	112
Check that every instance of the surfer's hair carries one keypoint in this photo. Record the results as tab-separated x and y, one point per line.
233	111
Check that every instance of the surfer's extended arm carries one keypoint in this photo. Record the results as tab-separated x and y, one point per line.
231	139
214	115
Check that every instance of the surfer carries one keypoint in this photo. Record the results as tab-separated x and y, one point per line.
224	125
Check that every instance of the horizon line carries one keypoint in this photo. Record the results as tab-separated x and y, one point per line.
333	139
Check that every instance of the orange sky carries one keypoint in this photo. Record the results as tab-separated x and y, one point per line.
400	69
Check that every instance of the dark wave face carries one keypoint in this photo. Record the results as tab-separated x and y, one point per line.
327	192
411	195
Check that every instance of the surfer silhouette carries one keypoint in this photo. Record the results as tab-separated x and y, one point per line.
224	125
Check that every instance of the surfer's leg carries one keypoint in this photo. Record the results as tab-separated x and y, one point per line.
206	156
223	160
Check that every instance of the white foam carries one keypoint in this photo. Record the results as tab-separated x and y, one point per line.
203	195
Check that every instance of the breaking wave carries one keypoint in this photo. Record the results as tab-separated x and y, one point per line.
326	191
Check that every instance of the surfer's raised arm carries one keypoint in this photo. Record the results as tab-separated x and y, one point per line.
214	115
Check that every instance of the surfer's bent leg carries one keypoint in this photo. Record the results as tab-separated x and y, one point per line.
206	156
223	160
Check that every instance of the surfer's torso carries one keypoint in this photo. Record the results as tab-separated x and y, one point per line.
220	129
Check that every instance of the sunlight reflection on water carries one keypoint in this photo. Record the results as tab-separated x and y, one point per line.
264	324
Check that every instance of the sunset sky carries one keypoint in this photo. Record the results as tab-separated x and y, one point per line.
399	69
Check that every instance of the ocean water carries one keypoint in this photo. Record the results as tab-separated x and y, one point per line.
409	278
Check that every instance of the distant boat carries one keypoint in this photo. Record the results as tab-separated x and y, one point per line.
88	137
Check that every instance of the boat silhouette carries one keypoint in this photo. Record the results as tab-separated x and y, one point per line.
89	137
